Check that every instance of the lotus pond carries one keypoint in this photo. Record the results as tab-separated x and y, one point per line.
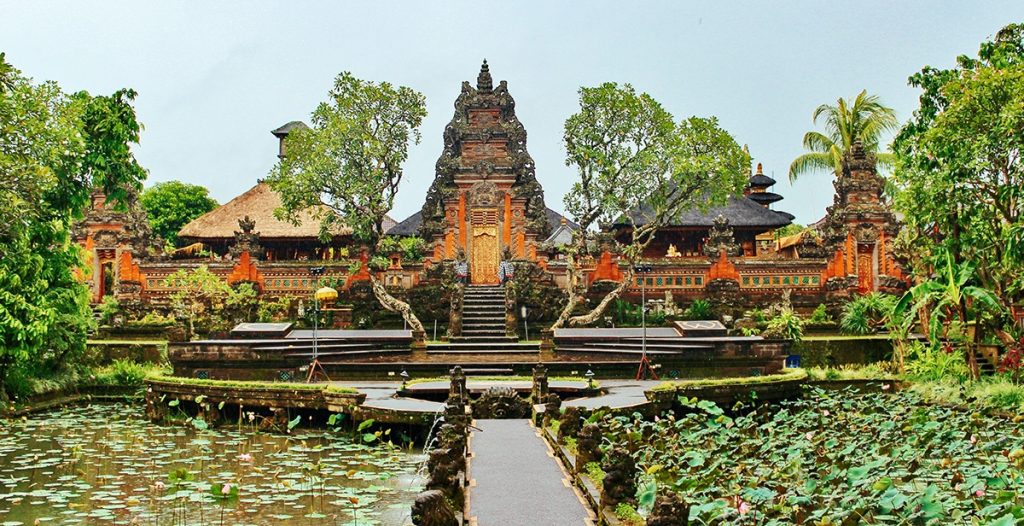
834	457
107	464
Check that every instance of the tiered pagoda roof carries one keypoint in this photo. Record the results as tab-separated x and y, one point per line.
757	189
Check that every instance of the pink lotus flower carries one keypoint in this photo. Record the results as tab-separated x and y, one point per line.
809	435
159	485
226	489
245	457
885	387
742	506
979	493
974	439
825	412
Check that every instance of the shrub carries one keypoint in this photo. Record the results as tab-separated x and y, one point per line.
820	315
786	325
123	372
628	515
931	363
867	314
109	309
699	310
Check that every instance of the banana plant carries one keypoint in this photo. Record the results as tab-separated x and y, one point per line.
950	300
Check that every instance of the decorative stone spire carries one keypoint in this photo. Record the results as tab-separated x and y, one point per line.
484	83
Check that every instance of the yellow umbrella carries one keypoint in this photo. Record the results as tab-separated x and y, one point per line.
326	295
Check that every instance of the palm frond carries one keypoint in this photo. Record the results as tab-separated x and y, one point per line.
810	162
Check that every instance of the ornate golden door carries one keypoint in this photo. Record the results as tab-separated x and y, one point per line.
484	261
483	257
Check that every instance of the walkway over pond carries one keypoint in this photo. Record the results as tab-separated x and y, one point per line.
516	481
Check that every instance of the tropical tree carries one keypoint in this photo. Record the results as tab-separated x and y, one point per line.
959	178
866	120
170	205
953	303
55	149
347	167
639	168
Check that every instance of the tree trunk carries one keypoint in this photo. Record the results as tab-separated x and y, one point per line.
394	304
572	286
593	315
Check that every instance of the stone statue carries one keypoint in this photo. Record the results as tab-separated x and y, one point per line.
432	509
619	483
501	402
247	240
552	407
539	393
569	424
672	252
720	237
588	445
669	510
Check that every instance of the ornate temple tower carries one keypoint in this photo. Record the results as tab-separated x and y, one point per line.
485	197
860	229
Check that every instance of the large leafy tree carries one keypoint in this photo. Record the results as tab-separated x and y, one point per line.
171	205
640	168
959	178
866	120
348	165
55	149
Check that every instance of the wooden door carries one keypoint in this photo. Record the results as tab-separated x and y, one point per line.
483	259
866	263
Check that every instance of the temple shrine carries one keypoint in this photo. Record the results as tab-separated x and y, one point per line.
486	204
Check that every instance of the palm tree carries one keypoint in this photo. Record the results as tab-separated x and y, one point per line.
866	120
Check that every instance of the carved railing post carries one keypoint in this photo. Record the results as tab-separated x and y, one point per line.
552	408
669	510
455	310
539	393
457	386
511	327
569	423
588	446
619	484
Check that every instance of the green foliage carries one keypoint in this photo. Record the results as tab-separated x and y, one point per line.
411	248
55	149
628	515
593	471
834	457
786	325
700	310
867	314
348	166
640	168
933	363
820	315
206	303
125	372
109	309
866	120
959	181
170	205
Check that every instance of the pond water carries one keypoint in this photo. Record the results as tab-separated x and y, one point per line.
107	464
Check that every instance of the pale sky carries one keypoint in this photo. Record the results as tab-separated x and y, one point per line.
215	77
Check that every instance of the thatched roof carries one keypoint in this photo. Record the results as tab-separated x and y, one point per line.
258	203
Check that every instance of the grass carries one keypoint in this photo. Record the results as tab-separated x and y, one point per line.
237	384
788	376
874	371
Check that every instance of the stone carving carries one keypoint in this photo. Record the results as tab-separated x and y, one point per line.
552	407
569	424
619	484
672	252
720	237
539	393
432	509
501	402
669	510
485	194
247	240
457	385
588	445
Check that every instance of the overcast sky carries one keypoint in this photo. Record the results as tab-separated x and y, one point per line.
215	77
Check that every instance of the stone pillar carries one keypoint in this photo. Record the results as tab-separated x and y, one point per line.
457	386
588	446
547	344
539	393
419	345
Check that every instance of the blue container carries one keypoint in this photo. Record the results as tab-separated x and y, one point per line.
793	361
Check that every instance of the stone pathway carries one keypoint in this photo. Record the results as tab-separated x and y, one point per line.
516	481
620	394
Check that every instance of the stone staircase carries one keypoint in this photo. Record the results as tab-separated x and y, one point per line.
483	325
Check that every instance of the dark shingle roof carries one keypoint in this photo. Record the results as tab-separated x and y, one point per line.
761	181
764	198
740	211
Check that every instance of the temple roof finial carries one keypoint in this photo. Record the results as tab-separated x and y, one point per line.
760	171
484	83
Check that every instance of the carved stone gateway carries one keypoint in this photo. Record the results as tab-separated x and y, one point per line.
485	196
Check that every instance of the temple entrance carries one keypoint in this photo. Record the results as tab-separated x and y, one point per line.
867	262
483	262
